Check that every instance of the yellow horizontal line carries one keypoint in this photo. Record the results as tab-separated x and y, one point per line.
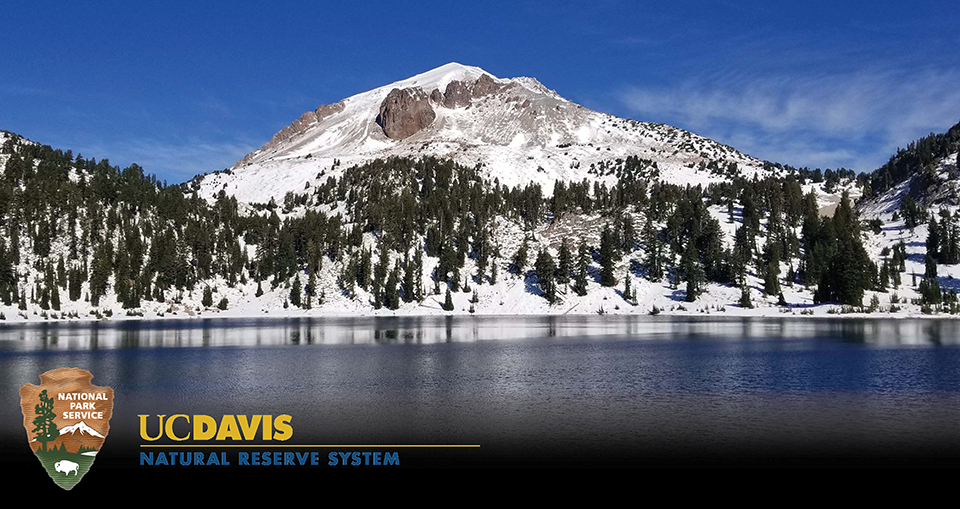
325	446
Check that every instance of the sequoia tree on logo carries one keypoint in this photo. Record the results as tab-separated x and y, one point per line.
67	419
46	429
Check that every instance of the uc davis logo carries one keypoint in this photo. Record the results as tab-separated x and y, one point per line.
67	419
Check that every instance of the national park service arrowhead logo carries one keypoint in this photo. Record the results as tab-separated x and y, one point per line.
67	419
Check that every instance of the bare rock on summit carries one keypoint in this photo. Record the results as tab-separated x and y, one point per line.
404	112
485	86
459	93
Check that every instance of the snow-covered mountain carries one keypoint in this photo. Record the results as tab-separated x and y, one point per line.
516	129
82	428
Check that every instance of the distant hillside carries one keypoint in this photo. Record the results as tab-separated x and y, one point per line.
919	163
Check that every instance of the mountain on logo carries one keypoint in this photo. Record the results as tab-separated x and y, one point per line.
82	428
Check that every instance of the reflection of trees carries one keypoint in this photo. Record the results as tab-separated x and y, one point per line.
934	332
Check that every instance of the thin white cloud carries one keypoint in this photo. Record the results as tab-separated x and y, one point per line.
856	118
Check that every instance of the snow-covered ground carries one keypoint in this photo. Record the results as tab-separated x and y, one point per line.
520	295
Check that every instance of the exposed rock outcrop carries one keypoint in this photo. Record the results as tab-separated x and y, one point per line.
459	94
405	112
485	86
328	109
296	127
307	120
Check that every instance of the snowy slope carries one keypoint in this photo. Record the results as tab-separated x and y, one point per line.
944	190
523	132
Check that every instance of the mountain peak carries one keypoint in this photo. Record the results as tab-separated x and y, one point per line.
81	427
440	77
516	129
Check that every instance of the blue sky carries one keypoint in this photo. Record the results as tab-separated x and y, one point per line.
188	87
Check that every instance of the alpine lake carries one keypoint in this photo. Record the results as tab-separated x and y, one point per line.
529	391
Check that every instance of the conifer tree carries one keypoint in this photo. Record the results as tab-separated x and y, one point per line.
930	267
629	236
949	239
417	273
391	296
884	276
311	288
455	280
295	291
448	301
745	301
565	263
771	274
379	277
933	239
408	277
61	274
519	262
653	261
545	268
583	264
607	258
99	277
364	271
691	272
54	291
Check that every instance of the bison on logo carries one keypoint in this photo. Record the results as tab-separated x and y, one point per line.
67	419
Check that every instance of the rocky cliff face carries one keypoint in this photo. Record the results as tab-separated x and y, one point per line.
405	112
461	93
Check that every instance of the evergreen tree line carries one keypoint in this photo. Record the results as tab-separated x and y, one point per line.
120	229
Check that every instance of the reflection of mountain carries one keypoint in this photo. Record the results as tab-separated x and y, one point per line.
77	436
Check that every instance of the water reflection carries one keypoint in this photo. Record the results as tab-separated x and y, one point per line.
430	330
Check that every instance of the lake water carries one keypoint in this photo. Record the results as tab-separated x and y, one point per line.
530	391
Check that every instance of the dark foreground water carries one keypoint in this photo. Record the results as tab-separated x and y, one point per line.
531	392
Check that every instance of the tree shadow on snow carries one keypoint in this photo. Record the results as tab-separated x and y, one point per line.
531	284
